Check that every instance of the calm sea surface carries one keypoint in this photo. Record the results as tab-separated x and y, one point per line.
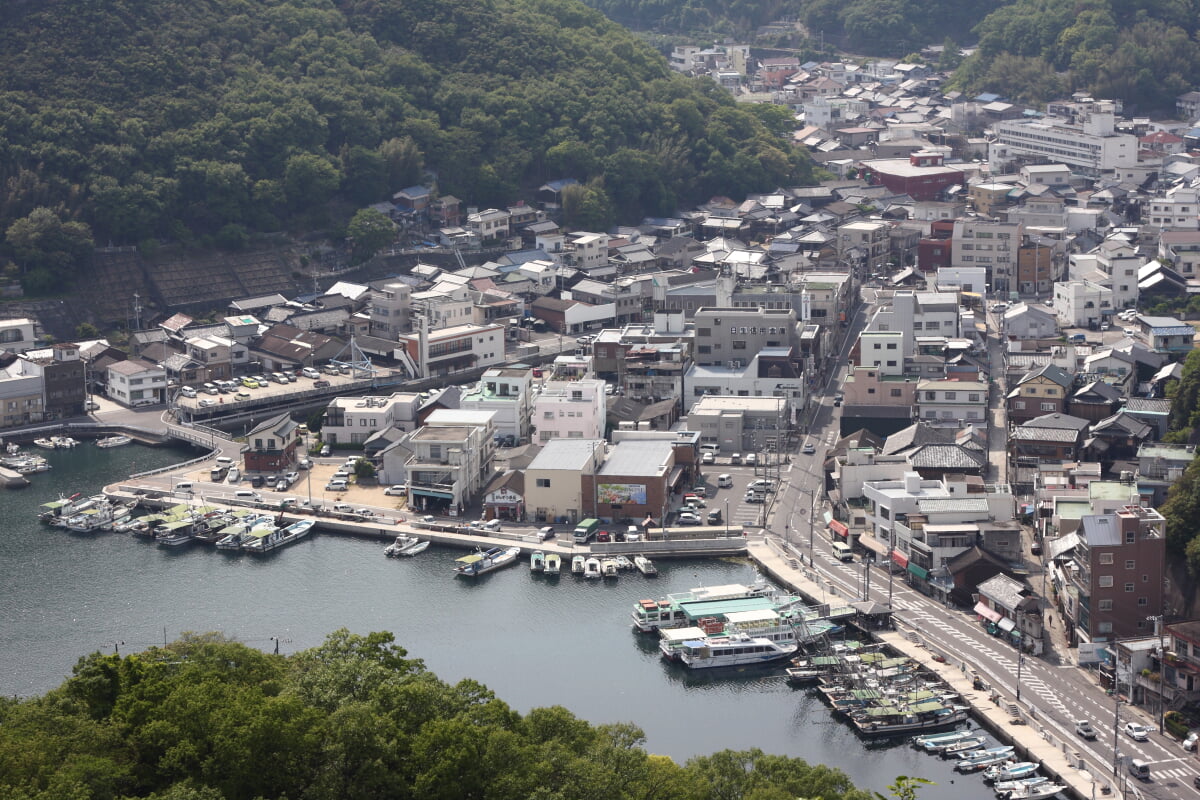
533	641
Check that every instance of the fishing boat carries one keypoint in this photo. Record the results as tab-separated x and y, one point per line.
405	546
482	562
176	533
608	567
936	743
280	537
1002	788
645	566
1035	791
737	650
959	750
623	562
982	759
31	465
808	670
591	568
537	561
62	507
894	720
577	565
233	535
1011	772
44	442
553	564
113	441
64	442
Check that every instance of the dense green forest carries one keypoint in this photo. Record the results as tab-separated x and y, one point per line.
210	719
207	121
1182	507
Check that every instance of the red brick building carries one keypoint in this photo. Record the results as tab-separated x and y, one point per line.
273	445
921	176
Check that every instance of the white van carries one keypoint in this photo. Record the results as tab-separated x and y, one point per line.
724	481
715	449
843	551
336	486
224	461
209	388
246	494
184	487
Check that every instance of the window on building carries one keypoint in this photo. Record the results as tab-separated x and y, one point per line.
1143	601
951	395
1129	588
1106	558
1047	406
1104	627
1130	564
1106	581
1106	605
973	397
543	483
739	345
1130	537
896	393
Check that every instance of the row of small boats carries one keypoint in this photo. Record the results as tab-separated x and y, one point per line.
85	514
1011	779
56	442
595	567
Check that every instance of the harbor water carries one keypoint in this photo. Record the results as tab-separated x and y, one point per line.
534	641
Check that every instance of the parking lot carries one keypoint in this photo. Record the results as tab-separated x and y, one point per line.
731	501
298	388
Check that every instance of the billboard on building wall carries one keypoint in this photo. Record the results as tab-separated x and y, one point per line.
621	493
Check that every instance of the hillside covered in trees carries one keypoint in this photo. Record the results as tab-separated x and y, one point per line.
209	120
209	719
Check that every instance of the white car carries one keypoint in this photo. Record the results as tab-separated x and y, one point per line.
291	477
688	518
396	491
309	372
1136	731
206	403
708	458
751	459
187	391
761	485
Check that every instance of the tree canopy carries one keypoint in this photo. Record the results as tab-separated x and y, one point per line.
210	719
142	119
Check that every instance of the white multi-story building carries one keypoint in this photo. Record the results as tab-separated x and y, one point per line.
451	461
963	279
507	392
391	310
22	392
770	373
457	349
950	402
491	223
1178	210
1113	265
864	244
915	314
569	410
17	335
353	420
136	383
589	251
991	245
1091	147
739	424
1082	304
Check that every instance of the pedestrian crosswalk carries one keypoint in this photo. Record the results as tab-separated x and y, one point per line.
1176	773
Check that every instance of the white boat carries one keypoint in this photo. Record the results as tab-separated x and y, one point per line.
961	749
937	741
1033	792
30	465
99	516
577	565
1011	772
176	533
623	562
63	442
45	443
608	568
1002	787
537	561
553	563
405	546
482	562
763	623
649	615
63	507
733	651
591	568
232	536
645	566
276	539
113	441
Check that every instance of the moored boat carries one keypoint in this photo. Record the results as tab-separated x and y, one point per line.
1011	772
670	612
591	568
405	546
62	507
608	567
113	441
939	740
982	759
645	566
733	651
1007	786
482	562
280	537
537	561
623	562
46	443
961	749
887	720
577	565
553	564
1036	791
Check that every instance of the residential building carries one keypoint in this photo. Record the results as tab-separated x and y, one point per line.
951	402
17	335
864	245
963	279
1012	607
1167	334
773	372
63	374
587	251
353	420
1024	321
488	225
507	392
569	410
1050	437
271	446
1039	265
136	383
1114	578
1040	391
554	490
1182	250
443	352
732	336
451	460
1082	304
22	391
1178	209
992	245
740	424
391	310
219	357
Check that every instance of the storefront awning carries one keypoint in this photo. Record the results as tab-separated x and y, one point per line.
874	545
839	529
986	613
676	476
431	493
900	558
1007	624
920	572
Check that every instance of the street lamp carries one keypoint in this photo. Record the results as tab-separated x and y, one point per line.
1162	662
727	516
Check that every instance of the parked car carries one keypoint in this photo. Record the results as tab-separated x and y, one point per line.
755	497
257	481
761	485
304	463
688	518
187	391
206	403
1084	728
545	533
321	384
309	372
1189	743
291	477
1136	731
396	491
714	517
603	536
838	399
325	450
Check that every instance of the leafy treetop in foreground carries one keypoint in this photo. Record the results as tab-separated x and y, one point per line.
210	719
